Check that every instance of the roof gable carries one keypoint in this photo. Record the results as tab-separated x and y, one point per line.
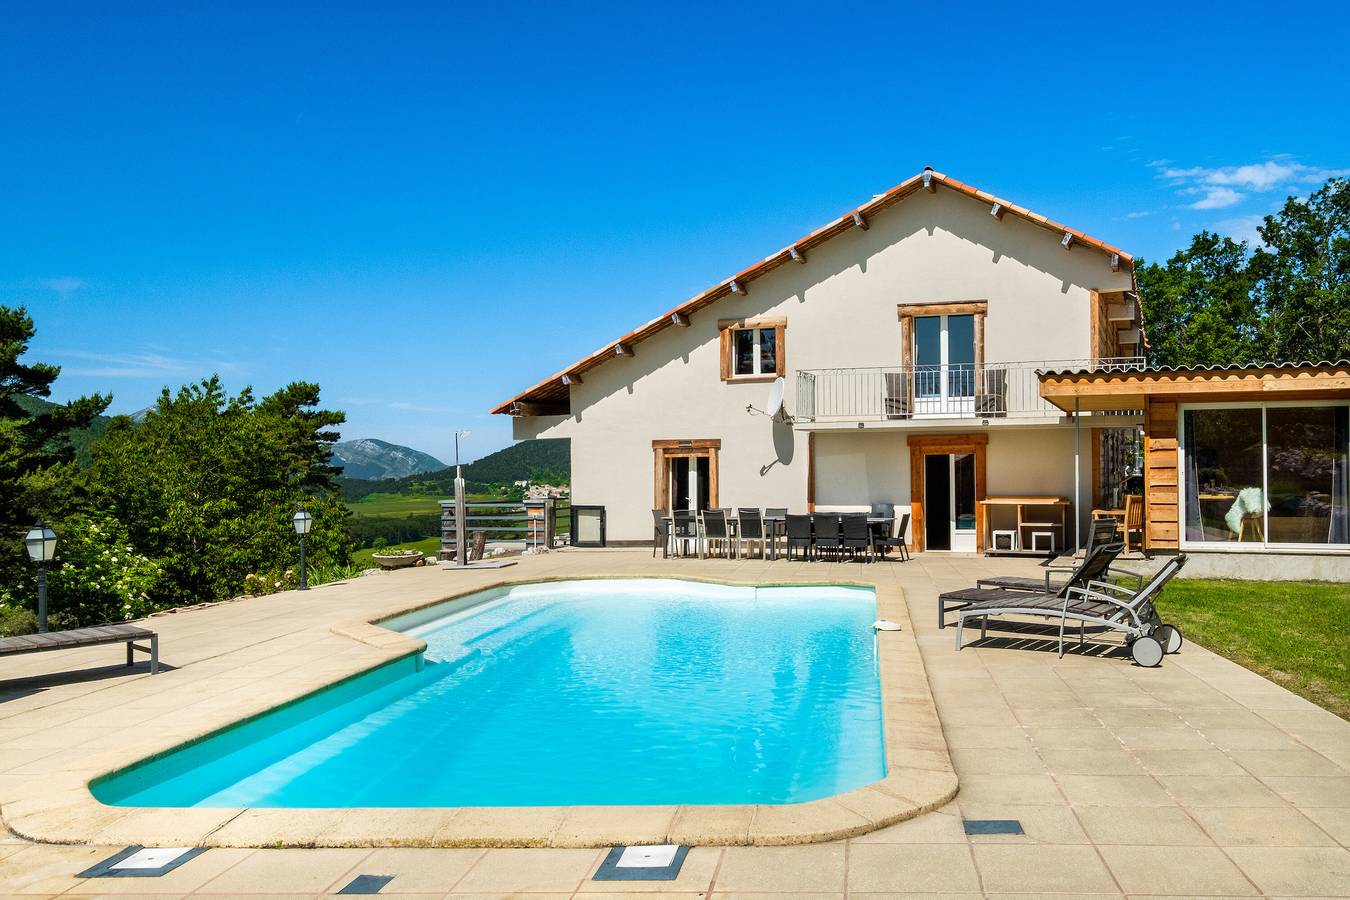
551	394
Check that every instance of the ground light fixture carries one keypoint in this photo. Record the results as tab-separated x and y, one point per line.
302	521
41	544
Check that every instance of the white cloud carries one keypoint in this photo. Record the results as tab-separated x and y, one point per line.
1138	214
145	365
65	285
1243	228
1224	186
1217	198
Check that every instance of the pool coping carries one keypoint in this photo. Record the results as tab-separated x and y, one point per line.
64	810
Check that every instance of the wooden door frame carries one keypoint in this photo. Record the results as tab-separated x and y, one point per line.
666	450
921	445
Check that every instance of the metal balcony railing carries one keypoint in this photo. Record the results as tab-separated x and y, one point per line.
992	390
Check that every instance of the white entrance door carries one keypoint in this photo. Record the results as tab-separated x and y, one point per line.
963	502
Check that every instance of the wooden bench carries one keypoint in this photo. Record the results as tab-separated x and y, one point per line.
87	637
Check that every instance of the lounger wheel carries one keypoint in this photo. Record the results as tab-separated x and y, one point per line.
1169	636
1147	652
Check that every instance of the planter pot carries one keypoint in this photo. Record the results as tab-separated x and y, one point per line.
398	562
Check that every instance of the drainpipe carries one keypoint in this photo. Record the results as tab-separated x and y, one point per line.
1077	491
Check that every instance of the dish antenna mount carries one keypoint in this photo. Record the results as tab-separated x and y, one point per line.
774	407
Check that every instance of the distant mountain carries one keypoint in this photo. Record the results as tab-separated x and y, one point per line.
545	460
374	460
81	438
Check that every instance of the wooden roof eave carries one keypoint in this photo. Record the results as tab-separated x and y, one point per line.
1099	391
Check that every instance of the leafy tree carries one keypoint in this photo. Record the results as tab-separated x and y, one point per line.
1302	276
37	472
207	483
33	444
1199	308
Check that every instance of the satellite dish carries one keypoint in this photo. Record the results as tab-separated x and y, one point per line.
774	408
775	405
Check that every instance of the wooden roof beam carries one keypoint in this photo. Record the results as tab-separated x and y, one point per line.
679	319
928	180
622	349
1067	241
572	379
797	255
738	288
997	211
859	220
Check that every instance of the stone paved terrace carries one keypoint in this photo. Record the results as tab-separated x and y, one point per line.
1194	779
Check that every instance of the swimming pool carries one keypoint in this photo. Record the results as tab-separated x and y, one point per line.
598	692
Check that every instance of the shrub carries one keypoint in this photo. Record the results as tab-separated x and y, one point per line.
16	621
99	576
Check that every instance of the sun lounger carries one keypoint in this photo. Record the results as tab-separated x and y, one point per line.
1051	585
1095	566
1100	603
87	637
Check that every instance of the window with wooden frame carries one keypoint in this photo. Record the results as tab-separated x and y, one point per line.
753	349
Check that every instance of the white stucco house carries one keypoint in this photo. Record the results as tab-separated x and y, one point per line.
911	333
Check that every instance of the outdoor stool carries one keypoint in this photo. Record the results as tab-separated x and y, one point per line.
1009	535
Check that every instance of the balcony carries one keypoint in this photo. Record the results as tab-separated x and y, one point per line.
900	393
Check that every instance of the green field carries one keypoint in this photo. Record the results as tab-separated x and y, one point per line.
394	505
1292	632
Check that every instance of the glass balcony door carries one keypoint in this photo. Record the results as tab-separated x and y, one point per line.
944	365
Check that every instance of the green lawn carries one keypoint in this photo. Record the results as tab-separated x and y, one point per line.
1293	632
431	546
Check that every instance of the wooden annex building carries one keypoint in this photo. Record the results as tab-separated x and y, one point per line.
1237	459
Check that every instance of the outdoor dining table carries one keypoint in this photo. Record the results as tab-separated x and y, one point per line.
776	525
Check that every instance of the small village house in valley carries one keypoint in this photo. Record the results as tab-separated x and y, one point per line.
964	359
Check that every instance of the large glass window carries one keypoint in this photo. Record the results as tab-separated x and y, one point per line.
944	356
1266	475
754	351
1305	453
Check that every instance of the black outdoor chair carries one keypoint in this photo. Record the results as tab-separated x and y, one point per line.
750	530
856	535
899	540
715	530
775	528
799	535
827	533
685	529
660	533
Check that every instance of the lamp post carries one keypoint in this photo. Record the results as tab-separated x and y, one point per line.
302	521
461	542
41	544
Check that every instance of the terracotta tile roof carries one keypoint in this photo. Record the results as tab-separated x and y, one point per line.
1146	370
554	391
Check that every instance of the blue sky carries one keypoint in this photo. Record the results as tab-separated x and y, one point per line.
427	207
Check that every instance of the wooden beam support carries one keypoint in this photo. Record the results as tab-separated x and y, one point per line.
1115	262
1120	312
572	379
623	350
859	220
679	319
1067	241
737	287
523	408
997	211
928	180
797	255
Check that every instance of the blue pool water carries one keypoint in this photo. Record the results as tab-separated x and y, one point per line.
574	693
